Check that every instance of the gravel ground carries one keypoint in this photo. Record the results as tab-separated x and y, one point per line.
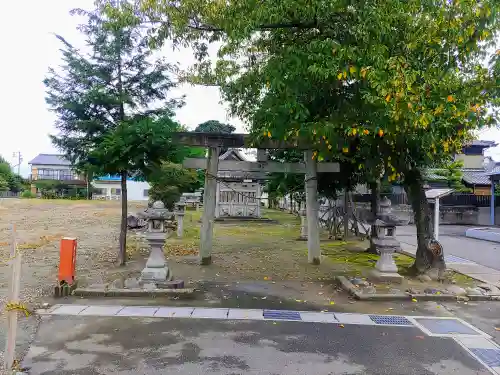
40	224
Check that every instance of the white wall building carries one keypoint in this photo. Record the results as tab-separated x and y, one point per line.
108	187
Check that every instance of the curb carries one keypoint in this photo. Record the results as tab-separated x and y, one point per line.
352	290
185	293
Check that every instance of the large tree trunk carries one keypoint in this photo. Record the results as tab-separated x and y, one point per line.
374	209
122	252
429	256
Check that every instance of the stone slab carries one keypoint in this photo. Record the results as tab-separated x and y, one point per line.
251	314
138	311
174	312
210	313
101	311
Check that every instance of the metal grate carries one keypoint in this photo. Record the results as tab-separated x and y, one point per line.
491	357
455	259
390	320
282	314
446	326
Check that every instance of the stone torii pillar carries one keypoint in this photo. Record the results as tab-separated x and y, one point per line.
209	204
312	208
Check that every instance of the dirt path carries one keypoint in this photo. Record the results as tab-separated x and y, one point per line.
40	225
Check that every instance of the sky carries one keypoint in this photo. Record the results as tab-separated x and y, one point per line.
30	48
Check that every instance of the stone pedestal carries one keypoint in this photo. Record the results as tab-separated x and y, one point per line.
156	270
179	214
386	245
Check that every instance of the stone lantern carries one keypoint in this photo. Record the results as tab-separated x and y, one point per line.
156	270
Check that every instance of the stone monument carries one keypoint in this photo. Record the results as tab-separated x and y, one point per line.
156	270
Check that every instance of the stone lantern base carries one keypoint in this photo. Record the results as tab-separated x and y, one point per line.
385	268
156	270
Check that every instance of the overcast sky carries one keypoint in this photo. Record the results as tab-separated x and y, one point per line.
29	48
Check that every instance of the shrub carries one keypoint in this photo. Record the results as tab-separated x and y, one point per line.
27	194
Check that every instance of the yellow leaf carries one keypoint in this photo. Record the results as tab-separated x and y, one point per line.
363	72
388	98
352	69
345	74
329	147
269	134
332	303
414	300
345	150
366	131
450	99
339	76
298	300
354	131
341	326
380	133
410	106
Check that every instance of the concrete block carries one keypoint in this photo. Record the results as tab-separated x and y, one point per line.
138	311
251	314
210	313
174	312
69	309
101	310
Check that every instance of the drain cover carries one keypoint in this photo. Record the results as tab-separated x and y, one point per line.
391	320
446	326
281	314
489	356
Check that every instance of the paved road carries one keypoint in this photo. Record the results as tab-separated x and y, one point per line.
79	345
453	239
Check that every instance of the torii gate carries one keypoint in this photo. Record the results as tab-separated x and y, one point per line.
214	142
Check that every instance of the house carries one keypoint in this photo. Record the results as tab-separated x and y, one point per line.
54	167
109	187
474	174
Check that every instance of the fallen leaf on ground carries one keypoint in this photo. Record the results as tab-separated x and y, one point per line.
298	300
414	300
497	328
264	298
332	303
341	325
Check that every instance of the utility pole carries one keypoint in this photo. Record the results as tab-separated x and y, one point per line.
19	157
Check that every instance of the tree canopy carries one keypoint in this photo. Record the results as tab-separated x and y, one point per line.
105	99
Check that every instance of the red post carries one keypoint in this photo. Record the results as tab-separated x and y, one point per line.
67	261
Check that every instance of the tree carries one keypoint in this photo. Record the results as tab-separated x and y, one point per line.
169	181
402	94
452	172
214	126
103	100
10	181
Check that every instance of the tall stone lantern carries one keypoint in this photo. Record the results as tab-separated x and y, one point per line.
156	270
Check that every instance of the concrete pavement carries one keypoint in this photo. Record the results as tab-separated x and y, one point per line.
137	342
